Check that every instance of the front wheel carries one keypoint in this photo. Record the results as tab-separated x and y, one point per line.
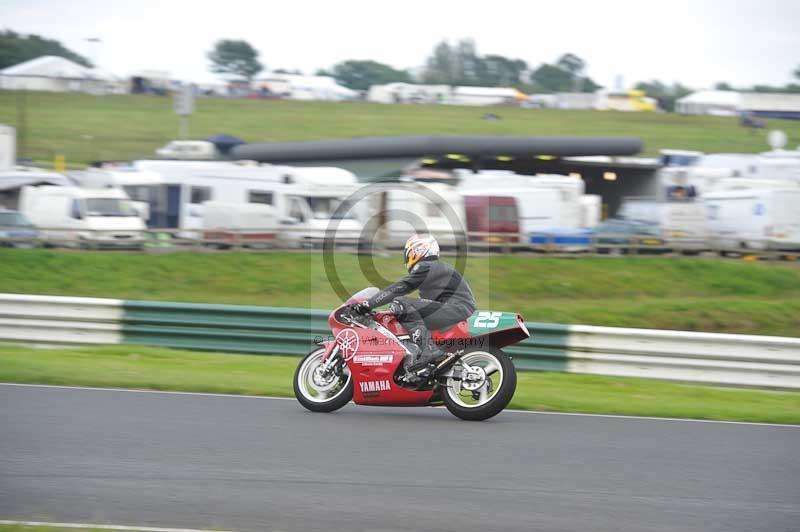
319	390
486	387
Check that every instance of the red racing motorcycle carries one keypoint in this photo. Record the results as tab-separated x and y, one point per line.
364	362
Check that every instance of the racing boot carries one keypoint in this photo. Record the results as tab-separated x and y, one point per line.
429	353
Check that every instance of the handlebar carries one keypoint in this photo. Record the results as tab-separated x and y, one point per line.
349	317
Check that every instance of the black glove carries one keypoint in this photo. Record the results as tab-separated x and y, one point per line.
360	308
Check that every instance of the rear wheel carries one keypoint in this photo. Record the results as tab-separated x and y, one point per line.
319	390
487	387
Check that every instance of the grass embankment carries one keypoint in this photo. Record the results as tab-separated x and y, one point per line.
168	369
86	128
668	293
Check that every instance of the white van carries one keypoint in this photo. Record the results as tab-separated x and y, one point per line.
91	218
197	150
753	218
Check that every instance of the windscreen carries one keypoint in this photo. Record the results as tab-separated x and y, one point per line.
363	294
109	207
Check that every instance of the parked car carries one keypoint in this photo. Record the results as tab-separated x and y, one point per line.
617	235
16	230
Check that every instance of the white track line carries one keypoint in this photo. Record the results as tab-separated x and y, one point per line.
105	527
135	390
652	418
530	412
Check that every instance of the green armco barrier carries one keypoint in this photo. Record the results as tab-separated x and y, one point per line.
544	350
291	331
233	328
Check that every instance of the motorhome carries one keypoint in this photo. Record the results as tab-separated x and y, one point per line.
754	218
83	217
306	199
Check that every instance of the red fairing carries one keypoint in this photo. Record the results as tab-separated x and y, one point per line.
373	360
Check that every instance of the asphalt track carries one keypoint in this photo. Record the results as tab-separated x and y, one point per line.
258	464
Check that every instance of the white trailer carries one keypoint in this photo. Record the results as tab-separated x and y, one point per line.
396	211
306	199
544	202
83	217
753	218
251	225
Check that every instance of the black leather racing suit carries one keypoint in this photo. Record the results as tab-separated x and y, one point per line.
445	299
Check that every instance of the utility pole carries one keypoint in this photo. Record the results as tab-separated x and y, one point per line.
184	106
22	124
93	44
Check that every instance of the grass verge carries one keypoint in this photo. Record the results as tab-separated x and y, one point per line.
169	369
691	294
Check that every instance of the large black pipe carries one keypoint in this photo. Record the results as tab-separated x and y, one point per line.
422	146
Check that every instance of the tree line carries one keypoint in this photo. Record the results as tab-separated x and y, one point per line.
457	64
447	64
460	64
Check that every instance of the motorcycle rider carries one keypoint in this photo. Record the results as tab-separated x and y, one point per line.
445	299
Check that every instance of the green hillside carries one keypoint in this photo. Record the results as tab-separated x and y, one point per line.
85	128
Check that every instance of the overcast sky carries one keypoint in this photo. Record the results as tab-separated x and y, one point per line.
744	42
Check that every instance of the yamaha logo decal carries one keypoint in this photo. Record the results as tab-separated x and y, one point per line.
347	340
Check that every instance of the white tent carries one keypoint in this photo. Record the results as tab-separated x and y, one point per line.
409	93
710	102
486	95
299	87
57	74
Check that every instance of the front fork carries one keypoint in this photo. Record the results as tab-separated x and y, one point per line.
330	359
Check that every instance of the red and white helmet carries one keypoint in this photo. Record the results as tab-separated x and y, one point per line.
417	248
